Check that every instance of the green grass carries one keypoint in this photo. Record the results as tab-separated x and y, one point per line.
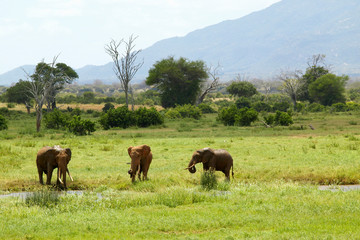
274	193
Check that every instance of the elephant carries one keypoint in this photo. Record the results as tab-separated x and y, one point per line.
49	158
212	159
141	158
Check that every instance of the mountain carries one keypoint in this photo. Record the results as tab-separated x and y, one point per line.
282	36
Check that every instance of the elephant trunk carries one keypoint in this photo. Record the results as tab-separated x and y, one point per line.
191	167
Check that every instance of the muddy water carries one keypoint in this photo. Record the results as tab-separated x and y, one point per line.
336	188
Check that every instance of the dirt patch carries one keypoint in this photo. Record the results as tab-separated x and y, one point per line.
336	188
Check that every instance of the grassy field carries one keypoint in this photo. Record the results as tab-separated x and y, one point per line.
274	194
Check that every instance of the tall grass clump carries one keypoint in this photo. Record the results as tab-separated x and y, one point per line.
42	199
208	180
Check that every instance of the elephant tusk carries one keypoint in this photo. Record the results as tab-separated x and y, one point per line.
189	167
59	176
69	175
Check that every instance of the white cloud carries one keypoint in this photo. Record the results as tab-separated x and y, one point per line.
56	8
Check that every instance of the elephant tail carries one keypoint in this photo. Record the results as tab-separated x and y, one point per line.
232	171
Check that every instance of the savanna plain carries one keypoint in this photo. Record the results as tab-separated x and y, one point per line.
274	193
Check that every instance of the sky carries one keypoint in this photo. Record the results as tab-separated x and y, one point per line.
32	31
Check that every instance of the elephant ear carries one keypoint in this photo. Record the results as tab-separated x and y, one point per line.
207	154
68	152
146	150
129	150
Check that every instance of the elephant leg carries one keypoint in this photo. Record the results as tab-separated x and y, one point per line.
57	178
40	176
49	175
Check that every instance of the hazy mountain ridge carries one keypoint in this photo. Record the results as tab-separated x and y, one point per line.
262	43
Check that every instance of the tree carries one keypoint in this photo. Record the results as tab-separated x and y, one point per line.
212	83
241	89
47	80
316	68
178	81
292	84
328	89
125	66
57	75
18	93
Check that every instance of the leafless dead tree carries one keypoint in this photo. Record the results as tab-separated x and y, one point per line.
125	66
211	84
292	84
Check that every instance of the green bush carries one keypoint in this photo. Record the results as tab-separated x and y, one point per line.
172	114
108	106
242	102
208	180
227	115
245	117
351	106
261	106
281	106
3	123
56	119
206	108
269	119
120	117
240	117
339	107
189	111
147	117
184	111
283	118
315	107
81	127
76	112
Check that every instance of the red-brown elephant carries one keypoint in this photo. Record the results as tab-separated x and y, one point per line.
141	158
49	158
213	160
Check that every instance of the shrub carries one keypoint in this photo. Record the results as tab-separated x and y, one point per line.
261	106
119	117
351	106
4	111
227	115
55	119
147	117
124	118
339	107
208	180
76	112
108	106
172	114
11	105
283	118
206	108
269	119
242	102
189	111
241	117
245	117
3	123
281	106
315	107
81	127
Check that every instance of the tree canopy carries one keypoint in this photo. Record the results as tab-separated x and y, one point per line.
241	89
328	89
177	80
19	93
